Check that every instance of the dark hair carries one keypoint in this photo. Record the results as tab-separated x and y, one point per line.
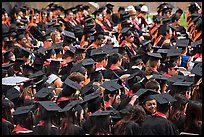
95	104
115	58
100	125
152	84
133	119
193	116
178	106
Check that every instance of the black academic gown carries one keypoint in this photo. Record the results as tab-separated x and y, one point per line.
157	125
6	128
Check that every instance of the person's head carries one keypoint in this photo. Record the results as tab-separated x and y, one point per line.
153	84
179	12
56	36
70	15
175	19
99	39
178	107
21	39
116	59
77	77
7	109
138	114
149	104
155	64
172	69
48	42
193	116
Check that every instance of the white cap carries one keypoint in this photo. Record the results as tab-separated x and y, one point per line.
144	8
130	8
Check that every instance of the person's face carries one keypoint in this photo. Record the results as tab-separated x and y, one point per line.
173	71
100	17
150	106
58	38
23	41
130	38
70	16
13	58
81	84
48	43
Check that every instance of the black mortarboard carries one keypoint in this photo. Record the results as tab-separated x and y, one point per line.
88	62
182	42
6	103
144	93
49	51
7	66
96	12
18	63
86	88
25	51
78	68
69	34
50	106
110	6
160	77
80	50
111	87
13	93
102	113
7	55
98	54
180	86
174	52
133	78
38	77
28	70
45	92
197	69
164	98
23	110
126	31
86	7
91	96
71	84
154	56
70	105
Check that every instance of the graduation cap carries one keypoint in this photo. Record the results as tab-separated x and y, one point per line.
182	42
88	87
78	68
197	69
180	86
7	66
126	31
91	96
86	7
110	6
111	87
50	106
174	52
45	92
51	78
80	50
69	34
71	84
143	94
18	63
23	110
133	78
102	113
88	62
154	56
6	103
13	93
97	12
98	54
38	77
160	77
164	98
49	51
70	52
7	55
70	106
28	70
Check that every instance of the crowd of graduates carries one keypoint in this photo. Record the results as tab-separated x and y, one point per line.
109	72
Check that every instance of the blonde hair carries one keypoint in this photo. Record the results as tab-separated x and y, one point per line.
53	35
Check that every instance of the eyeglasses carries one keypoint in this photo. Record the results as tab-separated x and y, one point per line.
49	40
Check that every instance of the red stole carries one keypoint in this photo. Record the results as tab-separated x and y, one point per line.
159	114
113	67
19	128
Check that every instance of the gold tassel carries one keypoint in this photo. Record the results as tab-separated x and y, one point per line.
32	15
40	17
